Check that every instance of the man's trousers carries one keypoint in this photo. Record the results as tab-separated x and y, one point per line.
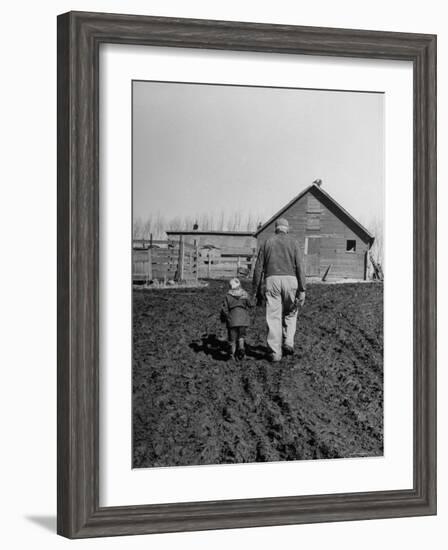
281	292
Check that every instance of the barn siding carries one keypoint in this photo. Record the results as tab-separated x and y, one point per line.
313	215
296	216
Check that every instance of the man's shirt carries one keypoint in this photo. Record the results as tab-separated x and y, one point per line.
279	255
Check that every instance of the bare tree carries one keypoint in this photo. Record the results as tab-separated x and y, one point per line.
159	227
137	229
148	228
207	221
221	225
234	222
376	227
252	222
174	224
188	223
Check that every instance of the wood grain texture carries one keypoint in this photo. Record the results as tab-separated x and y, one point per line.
79	38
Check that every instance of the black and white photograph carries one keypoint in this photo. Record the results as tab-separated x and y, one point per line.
257	271
227	331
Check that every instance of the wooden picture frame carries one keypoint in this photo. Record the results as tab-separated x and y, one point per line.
79	38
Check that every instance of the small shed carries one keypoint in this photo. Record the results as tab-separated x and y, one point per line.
333	242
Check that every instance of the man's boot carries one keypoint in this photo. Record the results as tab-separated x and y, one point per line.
288	350
232	350
241	353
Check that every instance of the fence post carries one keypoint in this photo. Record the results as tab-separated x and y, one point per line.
238	265
182	257
149	270
168	264
253	260
209	264
196	259
180	262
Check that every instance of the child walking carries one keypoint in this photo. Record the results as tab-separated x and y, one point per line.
235	313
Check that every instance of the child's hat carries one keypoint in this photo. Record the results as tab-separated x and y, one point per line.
234	283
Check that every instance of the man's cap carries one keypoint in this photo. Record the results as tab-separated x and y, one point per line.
282	222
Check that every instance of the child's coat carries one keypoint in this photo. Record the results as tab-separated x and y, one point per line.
235	309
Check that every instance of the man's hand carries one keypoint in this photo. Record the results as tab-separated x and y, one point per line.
298	302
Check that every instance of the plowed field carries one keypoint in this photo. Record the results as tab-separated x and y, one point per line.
193	406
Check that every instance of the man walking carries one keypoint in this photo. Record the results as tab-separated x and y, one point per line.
280	262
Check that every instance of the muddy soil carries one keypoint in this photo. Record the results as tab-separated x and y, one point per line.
191	405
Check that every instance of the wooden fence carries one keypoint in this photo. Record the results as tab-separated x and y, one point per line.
165	261
182	261
236	264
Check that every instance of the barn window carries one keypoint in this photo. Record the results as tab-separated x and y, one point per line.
351	245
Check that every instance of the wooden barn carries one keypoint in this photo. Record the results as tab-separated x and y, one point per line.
334	244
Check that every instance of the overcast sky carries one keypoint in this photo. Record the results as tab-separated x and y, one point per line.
210	148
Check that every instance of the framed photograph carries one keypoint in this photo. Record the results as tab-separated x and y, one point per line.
246	274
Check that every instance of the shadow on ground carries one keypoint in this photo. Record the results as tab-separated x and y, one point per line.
46	522
218	349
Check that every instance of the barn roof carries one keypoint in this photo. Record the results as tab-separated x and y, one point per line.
226	233
319	191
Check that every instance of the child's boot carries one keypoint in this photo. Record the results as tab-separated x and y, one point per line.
241	353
